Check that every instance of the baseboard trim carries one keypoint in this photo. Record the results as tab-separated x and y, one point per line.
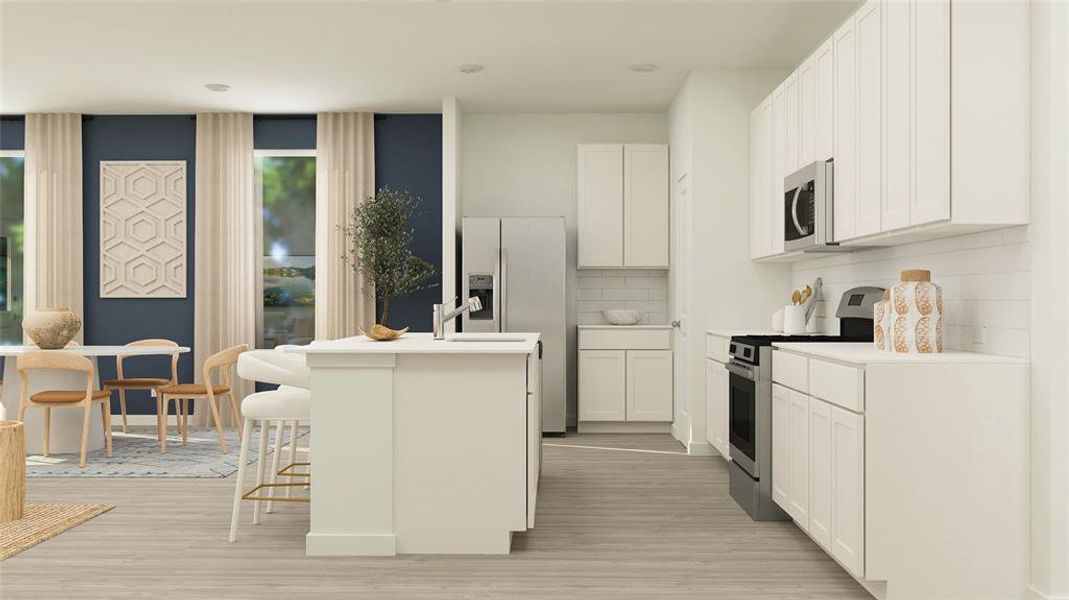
350	544
1035	594
624	427
701	449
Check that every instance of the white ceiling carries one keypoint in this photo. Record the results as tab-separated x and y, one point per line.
544	56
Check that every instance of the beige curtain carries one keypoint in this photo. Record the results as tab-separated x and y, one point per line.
225	262
53	213
345	177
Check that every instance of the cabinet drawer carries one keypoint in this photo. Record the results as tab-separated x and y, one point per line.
790	370
840	385
716	347
625	339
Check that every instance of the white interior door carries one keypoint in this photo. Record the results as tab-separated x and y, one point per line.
680	263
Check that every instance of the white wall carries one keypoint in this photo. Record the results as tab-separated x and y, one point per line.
713	281
525	165
1050	320
985	279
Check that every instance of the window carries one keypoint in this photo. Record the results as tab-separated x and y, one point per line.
286	189
11	239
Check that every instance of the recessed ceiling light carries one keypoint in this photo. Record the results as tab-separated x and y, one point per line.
470	68
217	87
643	67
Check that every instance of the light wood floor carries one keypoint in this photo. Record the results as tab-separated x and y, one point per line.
611	524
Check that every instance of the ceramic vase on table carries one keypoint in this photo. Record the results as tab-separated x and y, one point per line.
916	305
51	328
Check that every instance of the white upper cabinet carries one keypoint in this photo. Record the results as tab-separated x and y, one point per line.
601	207
816	86
780	125
646	205
623	205
844	90
760	175
897	115
930	143
792	136
926	120
869	160
824	142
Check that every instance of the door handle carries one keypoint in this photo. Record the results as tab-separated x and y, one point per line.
504	289
794	212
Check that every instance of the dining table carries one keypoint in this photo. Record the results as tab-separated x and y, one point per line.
66	430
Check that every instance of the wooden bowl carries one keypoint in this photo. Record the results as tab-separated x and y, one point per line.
382	333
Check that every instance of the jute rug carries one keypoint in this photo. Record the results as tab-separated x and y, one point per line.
41	522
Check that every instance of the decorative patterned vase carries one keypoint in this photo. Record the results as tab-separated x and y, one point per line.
881	322
51	328
917	306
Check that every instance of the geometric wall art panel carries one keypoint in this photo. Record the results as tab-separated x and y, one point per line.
143	229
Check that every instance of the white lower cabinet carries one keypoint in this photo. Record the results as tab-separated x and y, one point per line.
602	385
649	385
819	525
848	490
625	375
818	472
906	469
781	442
716	406
798	500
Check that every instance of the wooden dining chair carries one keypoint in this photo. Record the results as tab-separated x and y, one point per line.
123	383
52	359
222	362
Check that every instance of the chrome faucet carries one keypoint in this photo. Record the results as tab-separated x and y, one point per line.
441	317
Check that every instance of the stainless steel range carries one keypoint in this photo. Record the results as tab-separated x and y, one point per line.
750	401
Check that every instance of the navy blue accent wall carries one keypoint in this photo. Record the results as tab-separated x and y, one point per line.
113	321
284	132
408	156
12	133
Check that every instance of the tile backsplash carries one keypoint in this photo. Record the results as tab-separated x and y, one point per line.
985	279
638	289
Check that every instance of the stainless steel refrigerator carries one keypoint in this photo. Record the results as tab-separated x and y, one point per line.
516	267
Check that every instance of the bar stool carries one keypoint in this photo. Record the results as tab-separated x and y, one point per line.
273	408
289	404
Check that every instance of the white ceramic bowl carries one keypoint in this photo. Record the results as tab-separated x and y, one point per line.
616	316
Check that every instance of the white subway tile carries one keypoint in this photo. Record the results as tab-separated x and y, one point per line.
589	294
626	294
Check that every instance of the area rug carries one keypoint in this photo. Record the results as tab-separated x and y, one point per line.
43	522
137	454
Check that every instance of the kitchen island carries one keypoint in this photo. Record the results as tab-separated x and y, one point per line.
423	446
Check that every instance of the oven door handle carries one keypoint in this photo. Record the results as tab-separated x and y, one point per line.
794	213
744	372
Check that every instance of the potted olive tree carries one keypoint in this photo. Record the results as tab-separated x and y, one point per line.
378	237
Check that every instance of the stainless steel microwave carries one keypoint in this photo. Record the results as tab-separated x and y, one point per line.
808	209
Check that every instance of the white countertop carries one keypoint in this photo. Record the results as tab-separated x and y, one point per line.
424	343
864	353
727	333
625	326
